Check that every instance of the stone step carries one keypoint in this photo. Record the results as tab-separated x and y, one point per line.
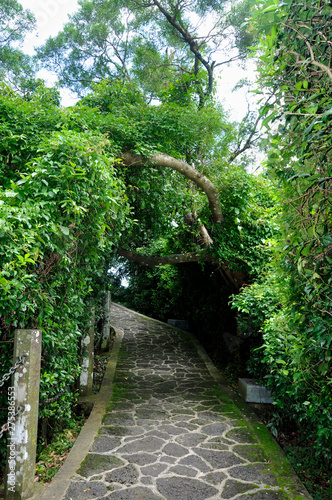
253	392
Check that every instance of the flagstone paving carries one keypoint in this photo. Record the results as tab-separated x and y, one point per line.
171	432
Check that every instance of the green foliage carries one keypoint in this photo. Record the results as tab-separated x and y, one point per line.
50	458
62	208
255	305
249	207
315	474
154	44
295	52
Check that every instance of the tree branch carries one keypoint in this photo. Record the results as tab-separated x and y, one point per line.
190	40
151	261
185	169
248	142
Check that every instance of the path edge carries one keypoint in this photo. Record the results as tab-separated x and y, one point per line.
56	489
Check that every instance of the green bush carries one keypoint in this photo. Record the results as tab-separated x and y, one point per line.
62	207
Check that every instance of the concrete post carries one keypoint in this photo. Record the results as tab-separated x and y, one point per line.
86	377
22	436
106	332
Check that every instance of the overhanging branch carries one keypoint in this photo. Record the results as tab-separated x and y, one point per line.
188	171
151	261
235	279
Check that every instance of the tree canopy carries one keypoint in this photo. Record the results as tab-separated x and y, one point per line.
160	44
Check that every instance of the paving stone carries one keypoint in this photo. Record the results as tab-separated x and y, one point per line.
178	488
219	459
141	458
168	460
136	493
254	472
146	480
182	470
105	443
118	419
148	444
214	477
119	430
127	475
159	434
145	423
253	453
188	426
171	430
241	435
214	429
192	439
215	446
151	414
196	462
85	490
175	450
200	422
210	415
180	411
264	495
153	470
233	488
94	464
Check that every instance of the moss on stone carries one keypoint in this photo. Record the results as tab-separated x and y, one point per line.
94	464
253	453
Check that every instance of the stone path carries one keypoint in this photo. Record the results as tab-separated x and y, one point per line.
171	433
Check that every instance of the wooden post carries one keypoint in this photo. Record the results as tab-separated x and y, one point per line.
86	377
23	397
106	333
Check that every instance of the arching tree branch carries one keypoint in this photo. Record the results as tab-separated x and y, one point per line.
188	171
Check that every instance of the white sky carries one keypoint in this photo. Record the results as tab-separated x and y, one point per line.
51	16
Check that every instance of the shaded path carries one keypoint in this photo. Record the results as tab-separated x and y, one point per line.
171	432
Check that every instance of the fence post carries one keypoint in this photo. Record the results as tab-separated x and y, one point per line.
86	377
106	332
22	437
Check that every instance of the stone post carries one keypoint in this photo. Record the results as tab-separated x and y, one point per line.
22	434
106	333
86	377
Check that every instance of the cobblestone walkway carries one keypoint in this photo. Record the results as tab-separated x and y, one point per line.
170	432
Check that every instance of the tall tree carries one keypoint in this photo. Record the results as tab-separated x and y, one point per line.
157	43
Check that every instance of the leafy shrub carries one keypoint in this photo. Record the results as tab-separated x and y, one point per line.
255	305
62	206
